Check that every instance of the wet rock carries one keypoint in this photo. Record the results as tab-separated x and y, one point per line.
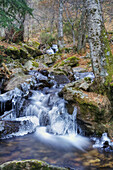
61	79
79	84
44	72
6	96
6	100
29	164
63	70
105	144
16	82
8	127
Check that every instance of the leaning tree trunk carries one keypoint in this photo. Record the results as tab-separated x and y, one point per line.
60	25
101	56
81	45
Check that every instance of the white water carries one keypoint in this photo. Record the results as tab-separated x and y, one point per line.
99	143
65	142
56	126
46	114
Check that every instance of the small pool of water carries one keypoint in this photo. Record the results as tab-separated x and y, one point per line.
30	147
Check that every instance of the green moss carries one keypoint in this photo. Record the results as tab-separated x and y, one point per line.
14	52
57	54
63	63
28	164
86	36
108	56
71	58
55	65
35	64
70	61
45	64
89	109
59	71
87	79
34	44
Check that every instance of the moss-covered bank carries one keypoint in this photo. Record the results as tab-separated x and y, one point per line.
28	165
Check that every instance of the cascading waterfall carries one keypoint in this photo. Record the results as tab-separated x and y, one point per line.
55	137
43	112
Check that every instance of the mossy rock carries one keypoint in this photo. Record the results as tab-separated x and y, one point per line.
70	61
95	110
28	165
32	51
13	52
33	44
49	60
24	53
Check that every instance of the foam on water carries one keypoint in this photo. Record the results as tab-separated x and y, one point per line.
62	141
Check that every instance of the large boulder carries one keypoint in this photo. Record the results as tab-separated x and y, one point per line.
64	67
63	70
24	53
16	81
28	165
32	51
13	51
33	44
93	109
34	65
48	59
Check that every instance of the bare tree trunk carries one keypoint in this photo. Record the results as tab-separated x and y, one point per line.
52	23
60	25
81	45
101	57
69	17
73	34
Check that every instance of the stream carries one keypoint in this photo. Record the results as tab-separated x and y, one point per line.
42	128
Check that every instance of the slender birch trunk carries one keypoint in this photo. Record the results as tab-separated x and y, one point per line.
60	25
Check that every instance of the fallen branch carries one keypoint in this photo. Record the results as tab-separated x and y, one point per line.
6	69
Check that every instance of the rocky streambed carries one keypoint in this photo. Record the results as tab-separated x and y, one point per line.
52	100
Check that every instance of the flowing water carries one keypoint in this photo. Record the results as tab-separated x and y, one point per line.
54	138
